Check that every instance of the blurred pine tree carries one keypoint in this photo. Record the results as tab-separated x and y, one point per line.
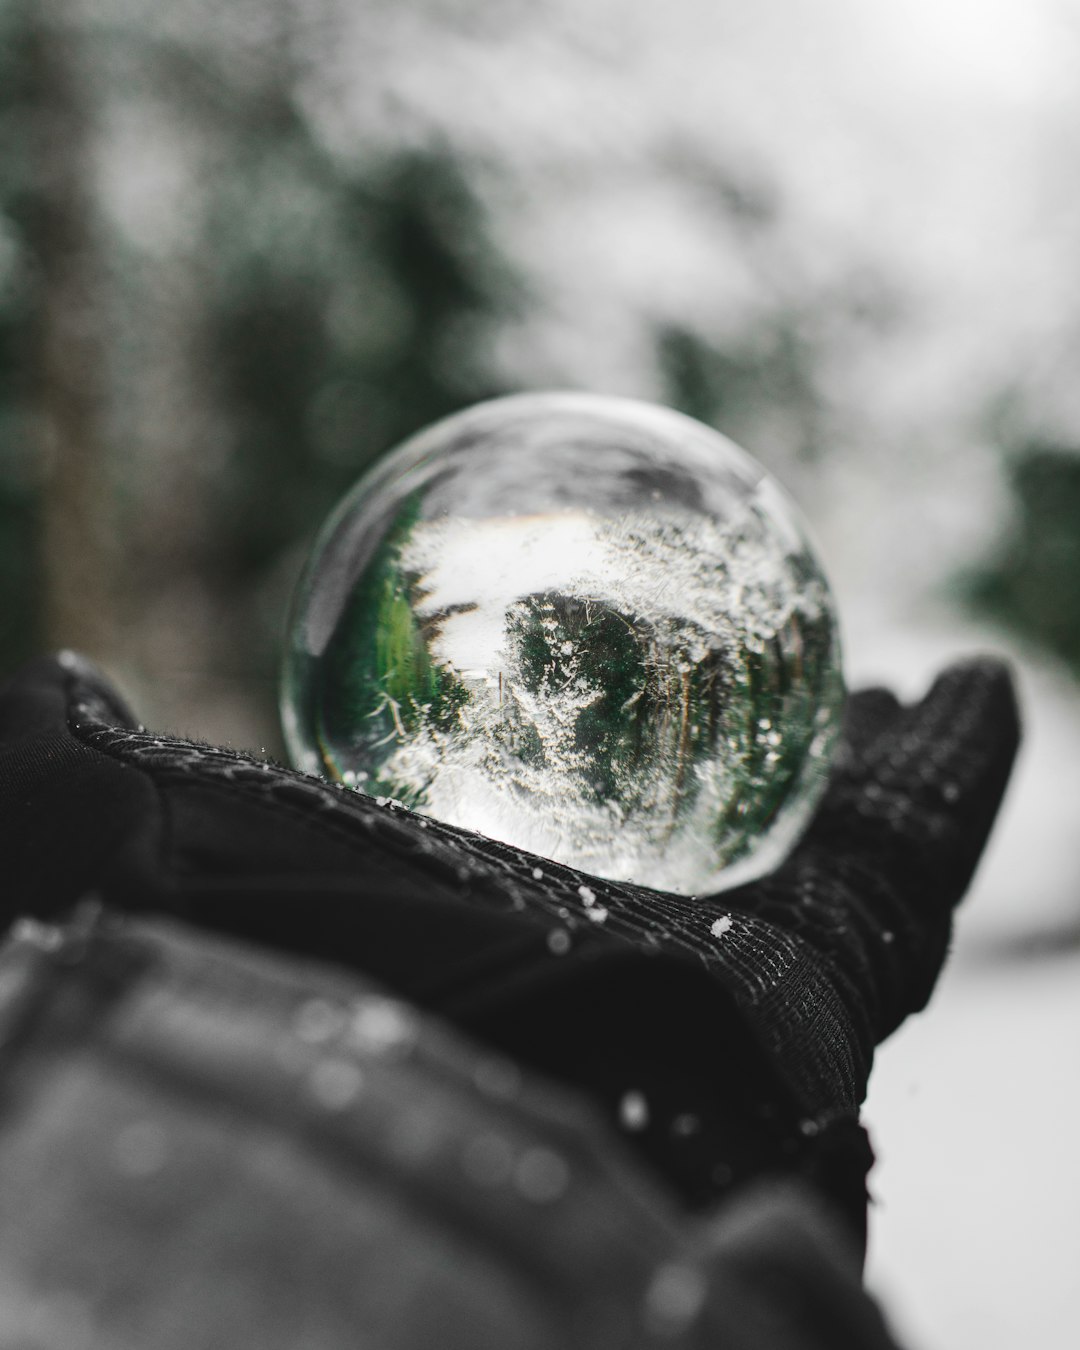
19	484
1032	585
209	326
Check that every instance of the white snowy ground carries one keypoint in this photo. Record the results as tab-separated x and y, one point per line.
975	1235
973	1106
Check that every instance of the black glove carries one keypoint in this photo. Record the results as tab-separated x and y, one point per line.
729	1036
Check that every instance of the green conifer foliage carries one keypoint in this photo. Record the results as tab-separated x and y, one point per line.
1032	585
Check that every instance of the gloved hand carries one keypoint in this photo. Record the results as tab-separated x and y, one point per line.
728	1036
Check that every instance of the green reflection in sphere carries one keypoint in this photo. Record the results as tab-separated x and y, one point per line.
588	627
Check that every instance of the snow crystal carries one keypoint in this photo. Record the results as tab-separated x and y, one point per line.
633	1111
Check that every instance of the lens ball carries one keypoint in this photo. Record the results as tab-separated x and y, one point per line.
588	627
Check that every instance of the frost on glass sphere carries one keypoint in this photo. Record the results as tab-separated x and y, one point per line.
588	627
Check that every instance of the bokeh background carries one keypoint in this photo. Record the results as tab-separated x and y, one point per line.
247	247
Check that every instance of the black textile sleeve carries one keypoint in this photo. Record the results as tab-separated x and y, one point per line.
729	1036
203	1143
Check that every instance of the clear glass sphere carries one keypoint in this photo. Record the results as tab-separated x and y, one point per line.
588	627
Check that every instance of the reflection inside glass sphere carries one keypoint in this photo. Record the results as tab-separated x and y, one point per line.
588	627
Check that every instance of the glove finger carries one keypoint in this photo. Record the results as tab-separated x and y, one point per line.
868	714
67	812
872	885
41	696
919	796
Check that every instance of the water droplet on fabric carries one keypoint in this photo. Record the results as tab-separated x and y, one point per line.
675	1297
633	1111
318	1020
335	1083
488	1160
46	937
381	1026
541	1175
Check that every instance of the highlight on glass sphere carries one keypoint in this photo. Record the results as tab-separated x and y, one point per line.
588	627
